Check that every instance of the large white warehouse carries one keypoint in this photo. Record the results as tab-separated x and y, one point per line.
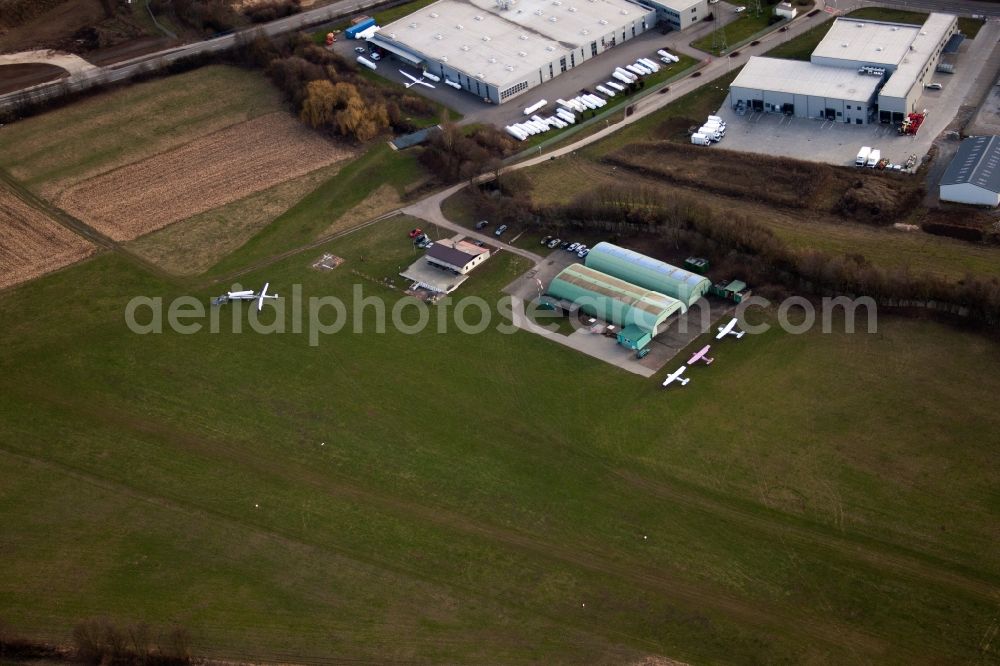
863	71
973	176
498	49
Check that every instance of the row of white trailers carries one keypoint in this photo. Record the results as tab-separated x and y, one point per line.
565	114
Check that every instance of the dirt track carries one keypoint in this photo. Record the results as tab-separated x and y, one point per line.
215	170
31	244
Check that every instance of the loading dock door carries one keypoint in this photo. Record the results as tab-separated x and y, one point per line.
757	104
830	114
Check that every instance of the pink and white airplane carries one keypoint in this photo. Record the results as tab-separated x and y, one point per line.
676	376
701	356
730	329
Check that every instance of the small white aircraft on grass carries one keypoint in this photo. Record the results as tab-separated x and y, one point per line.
730	329
246	295
676	376
701	355
414	80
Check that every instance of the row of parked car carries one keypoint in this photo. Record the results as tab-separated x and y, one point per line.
552	242
420	239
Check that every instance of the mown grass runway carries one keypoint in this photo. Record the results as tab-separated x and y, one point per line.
490	498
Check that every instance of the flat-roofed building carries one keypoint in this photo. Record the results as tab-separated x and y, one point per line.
805	90
882	67
680	14
499	49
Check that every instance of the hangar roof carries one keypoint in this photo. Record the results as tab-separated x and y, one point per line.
977	162
796	77
504	46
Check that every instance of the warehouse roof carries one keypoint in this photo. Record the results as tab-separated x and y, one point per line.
921	49
977	163
504	46
796	77
867	41
654	304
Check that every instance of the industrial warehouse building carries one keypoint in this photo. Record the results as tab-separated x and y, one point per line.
613	300
680	14
647	272
861	72
973	176
498	49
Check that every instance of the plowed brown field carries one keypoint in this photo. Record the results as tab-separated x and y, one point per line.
32	244
212	171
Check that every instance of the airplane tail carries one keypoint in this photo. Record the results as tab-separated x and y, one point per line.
684	381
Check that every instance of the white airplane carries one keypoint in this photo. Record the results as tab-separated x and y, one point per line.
247	295
676	376
414	80
729	329
701	355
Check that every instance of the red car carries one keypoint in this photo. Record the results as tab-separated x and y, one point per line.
415	232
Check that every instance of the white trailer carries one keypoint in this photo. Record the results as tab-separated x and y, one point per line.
535	107
621	77
366	62
617	86
874	157
717	119
607	92
453	84
566	115
638	71
431	77
862	158
649	64
668	55
626	73
518	134
700	140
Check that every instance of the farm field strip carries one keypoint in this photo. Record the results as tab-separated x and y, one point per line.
55	150
212	171
32	244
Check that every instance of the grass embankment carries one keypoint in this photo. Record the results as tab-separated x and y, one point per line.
802	46
490	498
315	213
737	31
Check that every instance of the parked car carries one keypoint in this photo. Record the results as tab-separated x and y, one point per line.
415	232
554	243
545	240
572	247
934	86
376	56
482	224
499	232
740	10
583	253
564	244
480	243
359	49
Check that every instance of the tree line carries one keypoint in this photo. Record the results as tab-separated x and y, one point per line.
751	250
